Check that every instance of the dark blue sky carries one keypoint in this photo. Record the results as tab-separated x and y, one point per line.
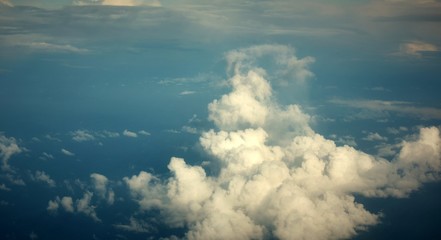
137	119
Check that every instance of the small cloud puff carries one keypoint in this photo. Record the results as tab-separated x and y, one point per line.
128	133
67	152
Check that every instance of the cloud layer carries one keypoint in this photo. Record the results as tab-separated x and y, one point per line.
277	177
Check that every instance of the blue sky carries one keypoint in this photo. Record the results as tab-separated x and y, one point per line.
136	119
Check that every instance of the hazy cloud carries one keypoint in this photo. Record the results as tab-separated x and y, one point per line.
373	136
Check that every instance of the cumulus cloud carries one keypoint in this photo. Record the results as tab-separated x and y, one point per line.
417	48
82	135
53	205
8	148
84	206
100	185
6	3
128	133
277	177
41	176
67	204
67	152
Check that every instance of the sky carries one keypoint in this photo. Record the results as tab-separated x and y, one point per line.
164	119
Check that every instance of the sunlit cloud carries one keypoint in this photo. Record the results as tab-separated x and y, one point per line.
279	182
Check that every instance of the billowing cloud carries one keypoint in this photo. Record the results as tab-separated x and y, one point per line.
67	152
277	177
8	147
417	48
128	133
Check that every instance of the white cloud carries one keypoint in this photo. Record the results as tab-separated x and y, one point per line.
82	135
100	185
84	206
67	204
128	133
143	132
277	177
187	92
417	48
51	47
8	148
67	152
41	176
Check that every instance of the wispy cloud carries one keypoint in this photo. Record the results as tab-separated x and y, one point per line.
67	152
417	48
187	92
126	3
51	47
401	107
